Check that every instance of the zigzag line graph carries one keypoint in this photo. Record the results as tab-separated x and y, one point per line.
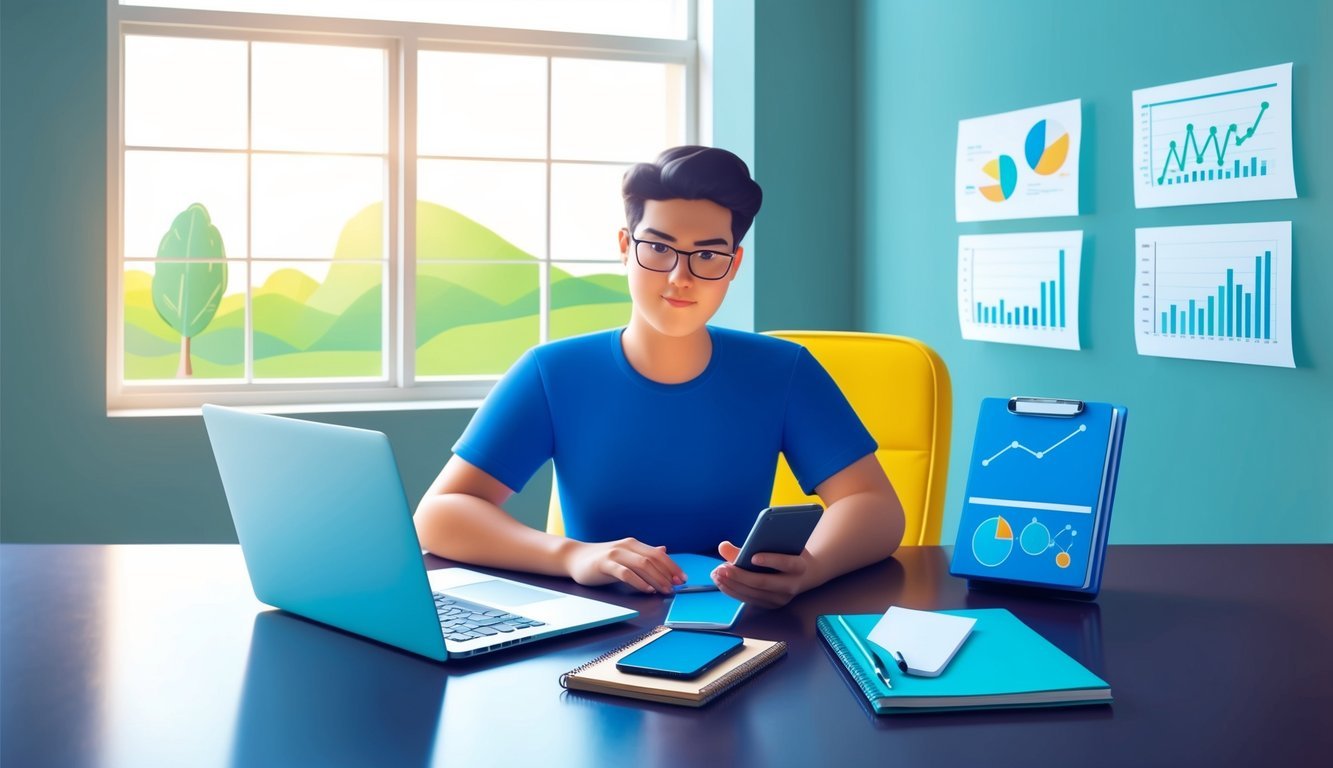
1015	445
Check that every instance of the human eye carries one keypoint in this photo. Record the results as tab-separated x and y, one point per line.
707	256
658	248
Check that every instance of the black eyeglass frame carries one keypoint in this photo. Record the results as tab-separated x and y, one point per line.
689	260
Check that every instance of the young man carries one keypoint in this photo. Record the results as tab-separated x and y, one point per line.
666	433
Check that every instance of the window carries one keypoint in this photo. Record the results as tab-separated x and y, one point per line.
315	210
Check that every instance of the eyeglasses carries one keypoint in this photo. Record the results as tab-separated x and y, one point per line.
660	257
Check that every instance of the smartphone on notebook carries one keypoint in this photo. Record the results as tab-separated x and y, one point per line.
681	653
784	530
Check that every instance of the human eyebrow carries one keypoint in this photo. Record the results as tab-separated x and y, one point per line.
663	235
714	241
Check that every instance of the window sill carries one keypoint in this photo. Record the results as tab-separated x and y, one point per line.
296	408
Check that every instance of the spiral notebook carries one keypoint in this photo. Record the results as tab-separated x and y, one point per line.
1003	664
601	676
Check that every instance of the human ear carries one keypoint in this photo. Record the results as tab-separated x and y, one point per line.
624	246
736	263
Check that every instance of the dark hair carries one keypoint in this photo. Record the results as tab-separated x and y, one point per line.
694	173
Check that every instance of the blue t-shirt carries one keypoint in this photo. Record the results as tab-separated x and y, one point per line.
677	465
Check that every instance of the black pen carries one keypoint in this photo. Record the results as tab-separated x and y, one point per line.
902	663
874	660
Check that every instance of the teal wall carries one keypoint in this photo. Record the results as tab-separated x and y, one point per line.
1214	452
805	258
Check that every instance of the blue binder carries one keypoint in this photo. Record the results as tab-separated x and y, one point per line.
1039	492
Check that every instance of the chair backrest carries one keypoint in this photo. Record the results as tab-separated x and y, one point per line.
900	388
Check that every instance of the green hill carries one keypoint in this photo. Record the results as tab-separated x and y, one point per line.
224	347
442	305
143	343
500	283
442	233
356	329
570	291
292	283
488	348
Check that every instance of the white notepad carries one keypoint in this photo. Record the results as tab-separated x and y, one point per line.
925	640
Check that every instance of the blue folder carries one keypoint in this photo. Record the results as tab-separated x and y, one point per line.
1002	664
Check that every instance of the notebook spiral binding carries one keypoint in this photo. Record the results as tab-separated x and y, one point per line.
855	668
742	673
654	631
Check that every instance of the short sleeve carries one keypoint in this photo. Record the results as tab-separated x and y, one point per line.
510	436
821	434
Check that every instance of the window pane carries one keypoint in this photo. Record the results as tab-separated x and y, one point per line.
615	110
153	321
475	319
320	98
161	185
318	207
587	298
586	211
184	92
507	200
318	320
641	18
481	105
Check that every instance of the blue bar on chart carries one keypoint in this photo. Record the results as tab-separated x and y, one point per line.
1047	312
1237	311
1250	169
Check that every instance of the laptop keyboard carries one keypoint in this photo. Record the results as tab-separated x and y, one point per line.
463	620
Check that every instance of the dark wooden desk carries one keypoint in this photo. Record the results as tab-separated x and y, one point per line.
160	655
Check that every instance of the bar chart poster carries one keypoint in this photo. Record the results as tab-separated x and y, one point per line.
1220	292
1217	140
1019	165
1020	288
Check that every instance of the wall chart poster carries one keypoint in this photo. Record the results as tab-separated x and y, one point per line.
1217	140
1019	165
1219	292
1020	288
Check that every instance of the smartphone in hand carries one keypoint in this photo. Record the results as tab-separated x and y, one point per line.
784	530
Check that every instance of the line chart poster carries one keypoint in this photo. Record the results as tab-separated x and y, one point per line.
1019	165
1216	140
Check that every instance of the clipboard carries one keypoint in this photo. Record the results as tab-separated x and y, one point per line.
1040	488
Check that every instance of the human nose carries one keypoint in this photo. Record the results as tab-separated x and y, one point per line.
681	274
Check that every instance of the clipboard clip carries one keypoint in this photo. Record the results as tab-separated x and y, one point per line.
1045	406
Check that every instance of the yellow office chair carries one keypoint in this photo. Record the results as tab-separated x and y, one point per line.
900	389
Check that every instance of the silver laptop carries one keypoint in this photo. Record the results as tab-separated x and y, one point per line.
327	533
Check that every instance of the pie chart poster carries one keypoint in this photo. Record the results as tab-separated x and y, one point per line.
1032	491
1019	165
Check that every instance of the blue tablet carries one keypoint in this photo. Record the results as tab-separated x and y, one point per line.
703	610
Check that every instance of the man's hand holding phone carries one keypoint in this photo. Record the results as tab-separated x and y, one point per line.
766	590
772	566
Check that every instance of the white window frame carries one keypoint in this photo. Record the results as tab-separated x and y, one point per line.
399	390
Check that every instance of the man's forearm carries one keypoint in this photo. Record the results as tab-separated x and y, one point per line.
857	530
463	527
